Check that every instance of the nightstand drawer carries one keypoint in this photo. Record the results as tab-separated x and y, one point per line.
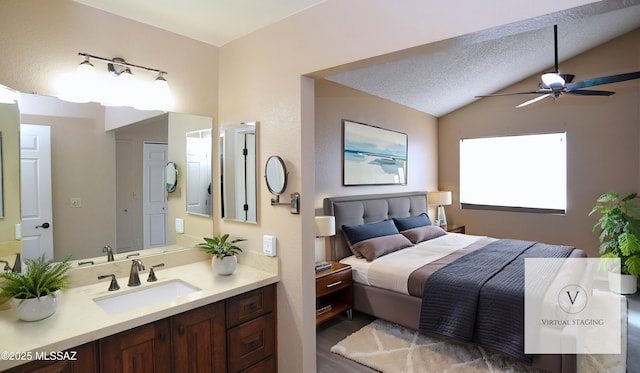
333	282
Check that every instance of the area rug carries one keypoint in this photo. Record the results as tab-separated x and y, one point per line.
387	347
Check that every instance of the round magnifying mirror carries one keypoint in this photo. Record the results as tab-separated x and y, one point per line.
276	175
171	176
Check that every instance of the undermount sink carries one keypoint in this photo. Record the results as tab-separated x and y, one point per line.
143	296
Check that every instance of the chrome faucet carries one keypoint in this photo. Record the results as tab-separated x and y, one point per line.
6	266
107	249
136	265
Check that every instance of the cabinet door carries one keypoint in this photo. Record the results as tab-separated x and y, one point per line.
199	340
145	349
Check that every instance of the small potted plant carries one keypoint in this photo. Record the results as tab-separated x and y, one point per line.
35	294
620	238
224	260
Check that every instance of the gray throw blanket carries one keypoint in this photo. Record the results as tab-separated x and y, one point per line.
479	298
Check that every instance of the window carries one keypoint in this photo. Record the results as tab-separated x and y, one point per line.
514	173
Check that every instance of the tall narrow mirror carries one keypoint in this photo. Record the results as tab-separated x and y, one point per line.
238	192
199	167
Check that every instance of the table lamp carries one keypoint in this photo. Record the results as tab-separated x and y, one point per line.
325	226
440	199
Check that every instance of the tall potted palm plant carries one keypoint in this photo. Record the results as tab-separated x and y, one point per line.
619	224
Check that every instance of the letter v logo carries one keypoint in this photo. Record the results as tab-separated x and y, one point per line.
572	299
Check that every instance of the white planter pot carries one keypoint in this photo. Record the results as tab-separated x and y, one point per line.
225	266
36	308
622	284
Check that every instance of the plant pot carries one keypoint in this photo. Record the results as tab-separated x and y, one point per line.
622	284
35	309
225	266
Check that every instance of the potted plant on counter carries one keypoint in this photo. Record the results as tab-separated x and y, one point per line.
620	238
224	260
35	294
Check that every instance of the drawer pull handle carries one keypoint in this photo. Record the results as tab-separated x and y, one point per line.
253	306
181	329
254	344
334	284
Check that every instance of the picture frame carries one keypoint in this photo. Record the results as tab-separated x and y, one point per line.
373	155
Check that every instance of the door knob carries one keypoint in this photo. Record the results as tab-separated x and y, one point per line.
44	225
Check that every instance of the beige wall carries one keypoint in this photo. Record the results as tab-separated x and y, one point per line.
258	77
602	146
333	103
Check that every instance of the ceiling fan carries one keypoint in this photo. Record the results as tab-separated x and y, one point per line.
554	84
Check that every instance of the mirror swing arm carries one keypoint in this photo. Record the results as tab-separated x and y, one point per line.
276	175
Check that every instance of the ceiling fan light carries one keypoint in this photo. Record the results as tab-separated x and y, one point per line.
552	80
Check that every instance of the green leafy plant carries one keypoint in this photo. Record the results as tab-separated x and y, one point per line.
42	277
620	230
219	247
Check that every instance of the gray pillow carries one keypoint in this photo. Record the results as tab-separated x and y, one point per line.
374	248
419	234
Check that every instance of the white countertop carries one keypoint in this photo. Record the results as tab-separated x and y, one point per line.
79	319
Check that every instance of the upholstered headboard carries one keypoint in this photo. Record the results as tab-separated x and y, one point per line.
355	210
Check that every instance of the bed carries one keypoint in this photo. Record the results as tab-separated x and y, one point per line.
401	304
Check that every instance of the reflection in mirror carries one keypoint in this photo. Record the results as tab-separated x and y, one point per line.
199	170
10	128
1	192
96	164
276	175
238	192
171	176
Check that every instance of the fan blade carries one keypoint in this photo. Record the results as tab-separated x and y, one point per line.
533	100
603	80
590	92
538	92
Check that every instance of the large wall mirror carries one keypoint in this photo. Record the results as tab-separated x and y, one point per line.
199	169
98	193
238	193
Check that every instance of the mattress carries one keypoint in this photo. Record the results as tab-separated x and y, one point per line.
392	271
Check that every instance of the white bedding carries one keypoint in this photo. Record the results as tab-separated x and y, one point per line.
392	271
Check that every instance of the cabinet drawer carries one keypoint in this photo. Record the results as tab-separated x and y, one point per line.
251	342
250	305
333	282
265	366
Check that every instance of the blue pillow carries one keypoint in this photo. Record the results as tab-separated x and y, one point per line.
357	233
411	222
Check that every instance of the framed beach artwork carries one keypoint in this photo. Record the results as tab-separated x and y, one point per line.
373	155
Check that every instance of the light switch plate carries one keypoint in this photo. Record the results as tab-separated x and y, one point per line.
179	226
269	245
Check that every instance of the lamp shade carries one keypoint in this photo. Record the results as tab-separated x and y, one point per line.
439	198
325	226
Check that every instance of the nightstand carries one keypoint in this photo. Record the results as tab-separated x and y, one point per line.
454	228
334	292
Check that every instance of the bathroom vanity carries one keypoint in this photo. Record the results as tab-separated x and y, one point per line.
228	325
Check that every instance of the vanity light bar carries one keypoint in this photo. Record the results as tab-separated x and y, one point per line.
120	62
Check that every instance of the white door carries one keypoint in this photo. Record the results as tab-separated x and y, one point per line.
154	206
35	191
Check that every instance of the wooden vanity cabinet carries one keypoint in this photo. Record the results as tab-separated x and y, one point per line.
198	337
234	335
145	349
251	331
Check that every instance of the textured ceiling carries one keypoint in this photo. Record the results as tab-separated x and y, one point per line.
439	78
452	73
